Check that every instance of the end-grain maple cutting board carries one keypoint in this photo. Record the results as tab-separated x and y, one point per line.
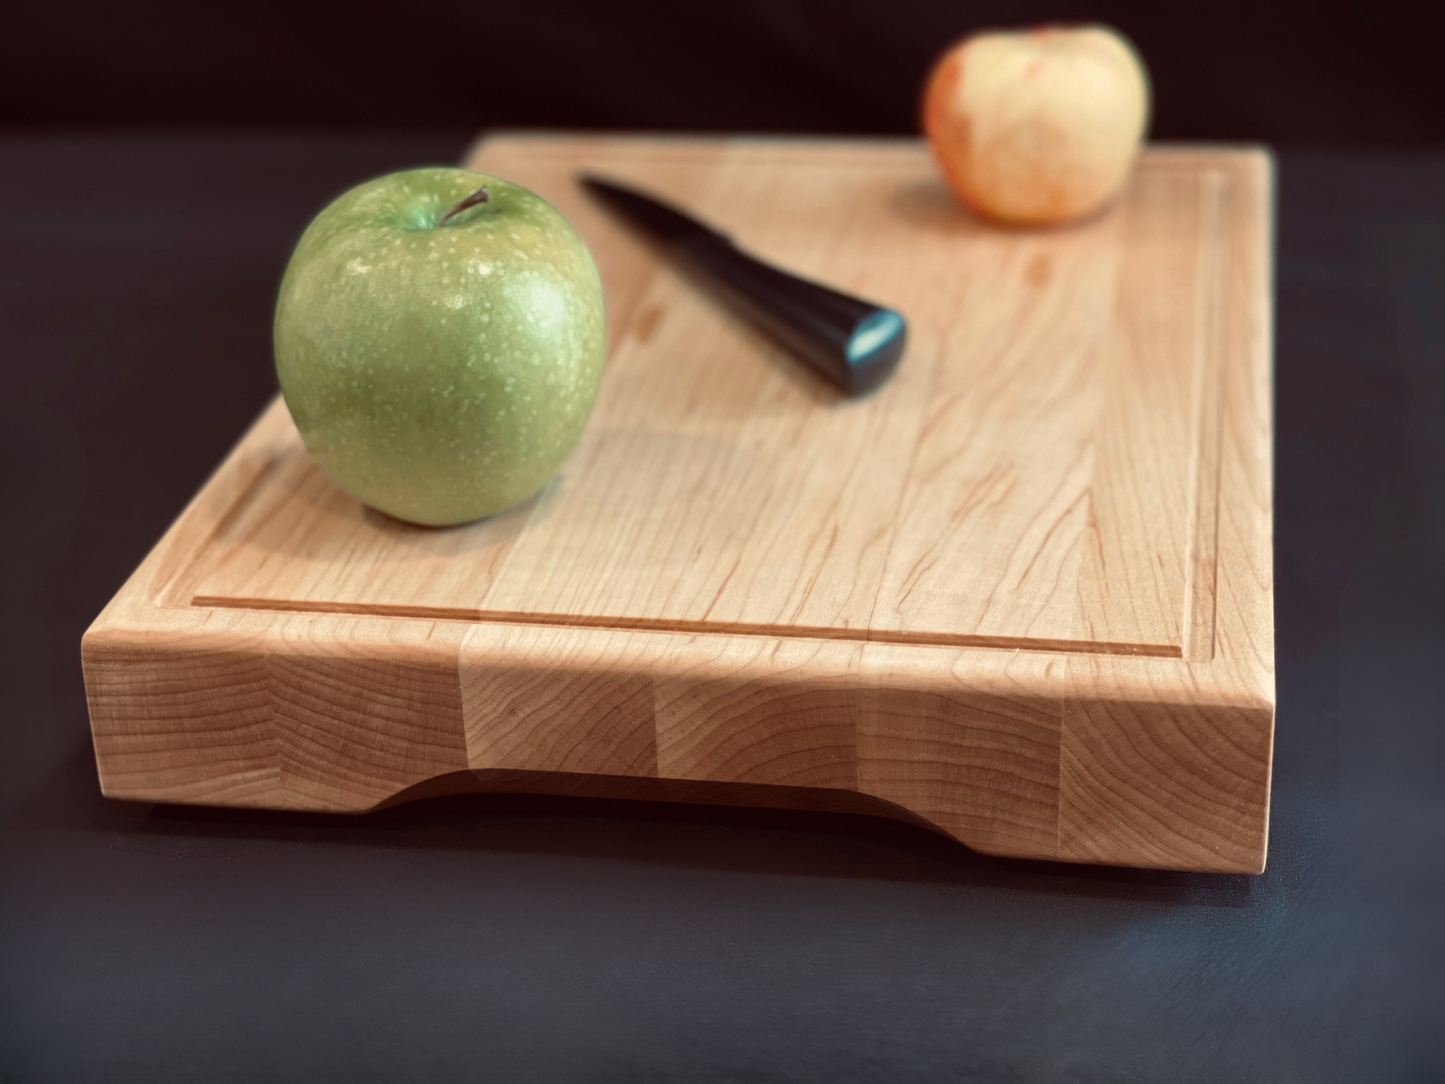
1021	594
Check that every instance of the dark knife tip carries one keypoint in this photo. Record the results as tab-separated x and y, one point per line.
600	185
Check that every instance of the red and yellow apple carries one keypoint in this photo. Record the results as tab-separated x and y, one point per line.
1040	126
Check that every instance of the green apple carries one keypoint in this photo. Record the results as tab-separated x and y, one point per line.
440	336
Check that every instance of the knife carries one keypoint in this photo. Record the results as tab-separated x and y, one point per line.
855	344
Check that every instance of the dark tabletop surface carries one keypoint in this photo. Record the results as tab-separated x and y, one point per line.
528	939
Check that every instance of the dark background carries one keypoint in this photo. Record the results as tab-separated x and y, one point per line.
157	164
1322	74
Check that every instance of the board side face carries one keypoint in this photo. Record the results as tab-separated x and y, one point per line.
1016	754
1010	746
302	714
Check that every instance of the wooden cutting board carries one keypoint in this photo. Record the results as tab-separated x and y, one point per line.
1022	594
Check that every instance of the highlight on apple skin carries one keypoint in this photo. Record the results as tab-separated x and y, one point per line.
1039	126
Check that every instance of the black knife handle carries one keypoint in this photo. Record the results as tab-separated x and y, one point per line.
853	343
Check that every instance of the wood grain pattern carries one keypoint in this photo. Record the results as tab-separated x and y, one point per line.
1022	593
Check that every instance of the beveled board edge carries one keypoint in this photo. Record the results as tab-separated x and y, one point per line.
1134	761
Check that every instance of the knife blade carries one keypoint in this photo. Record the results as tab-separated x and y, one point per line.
856	344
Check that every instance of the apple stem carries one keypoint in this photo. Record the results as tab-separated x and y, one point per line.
479	196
